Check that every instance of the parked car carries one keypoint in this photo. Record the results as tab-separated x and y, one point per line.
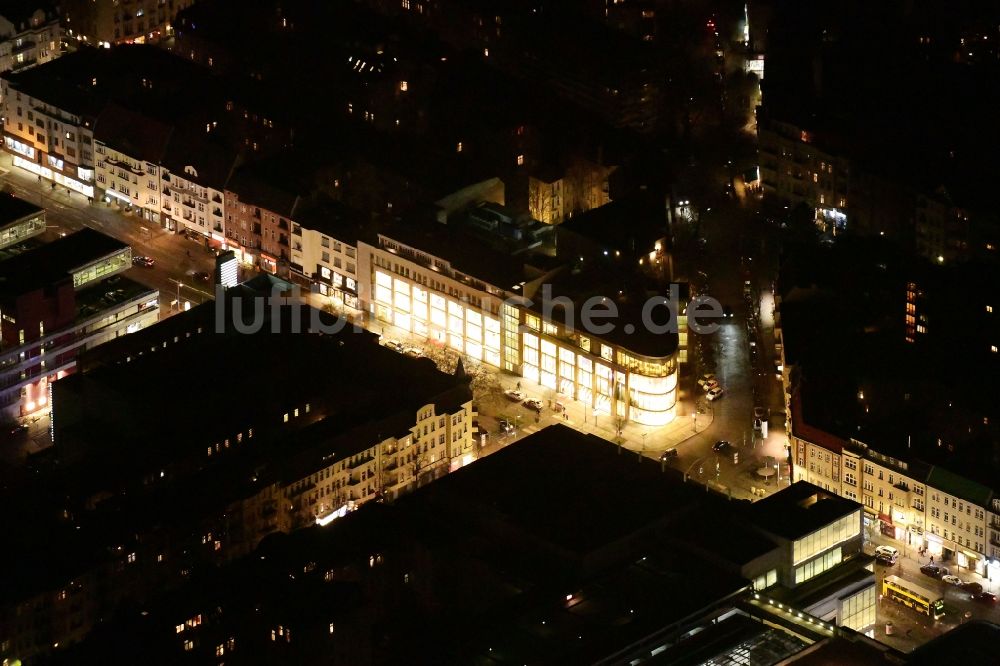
534	403
972	587
202	276
18	429
705	379
952	580
710	384
985	598
669	454
413	352
933	570
715	393
727	312
506	427
886	555
394	345
143	261
759	413
514	395
721	446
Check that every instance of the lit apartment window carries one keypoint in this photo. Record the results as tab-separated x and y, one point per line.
286	417
993	348
989	308
520	160
458	148
403	86
188	646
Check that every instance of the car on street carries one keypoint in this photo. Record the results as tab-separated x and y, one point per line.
202	276
413	352
506	427
759	413
669	454
727	312
18	429
721	446
394	345
715	393
143	261
514	395
710	384
972	587
533	403
886	555
933	570
706	378
952	580
757	425
985	598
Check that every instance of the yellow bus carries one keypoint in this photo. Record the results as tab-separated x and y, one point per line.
916	597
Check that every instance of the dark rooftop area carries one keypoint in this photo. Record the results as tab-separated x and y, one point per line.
605	494
14	208
799	510
53	261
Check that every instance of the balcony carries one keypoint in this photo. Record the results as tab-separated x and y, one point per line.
21	65
216	198
189	204
23	46
902	486
216	212
360	461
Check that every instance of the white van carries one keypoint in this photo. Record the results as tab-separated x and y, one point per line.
886	554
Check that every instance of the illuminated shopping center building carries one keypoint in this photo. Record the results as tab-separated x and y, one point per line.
475	286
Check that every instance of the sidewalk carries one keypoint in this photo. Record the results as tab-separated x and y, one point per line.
649	440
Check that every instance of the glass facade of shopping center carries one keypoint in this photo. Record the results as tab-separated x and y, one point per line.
608	379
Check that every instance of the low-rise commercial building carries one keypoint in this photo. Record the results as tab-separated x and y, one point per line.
506	307
58	300
19	221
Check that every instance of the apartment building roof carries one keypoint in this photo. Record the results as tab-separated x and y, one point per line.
53	262
465	252
65	82
197	157
803	430
631	224
255	380
331	218
21	12
959	486
135	134
799	510
257	190
13	209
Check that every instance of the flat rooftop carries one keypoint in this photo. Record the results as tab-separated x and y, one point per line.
52	262
14	208
593	494
798	510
